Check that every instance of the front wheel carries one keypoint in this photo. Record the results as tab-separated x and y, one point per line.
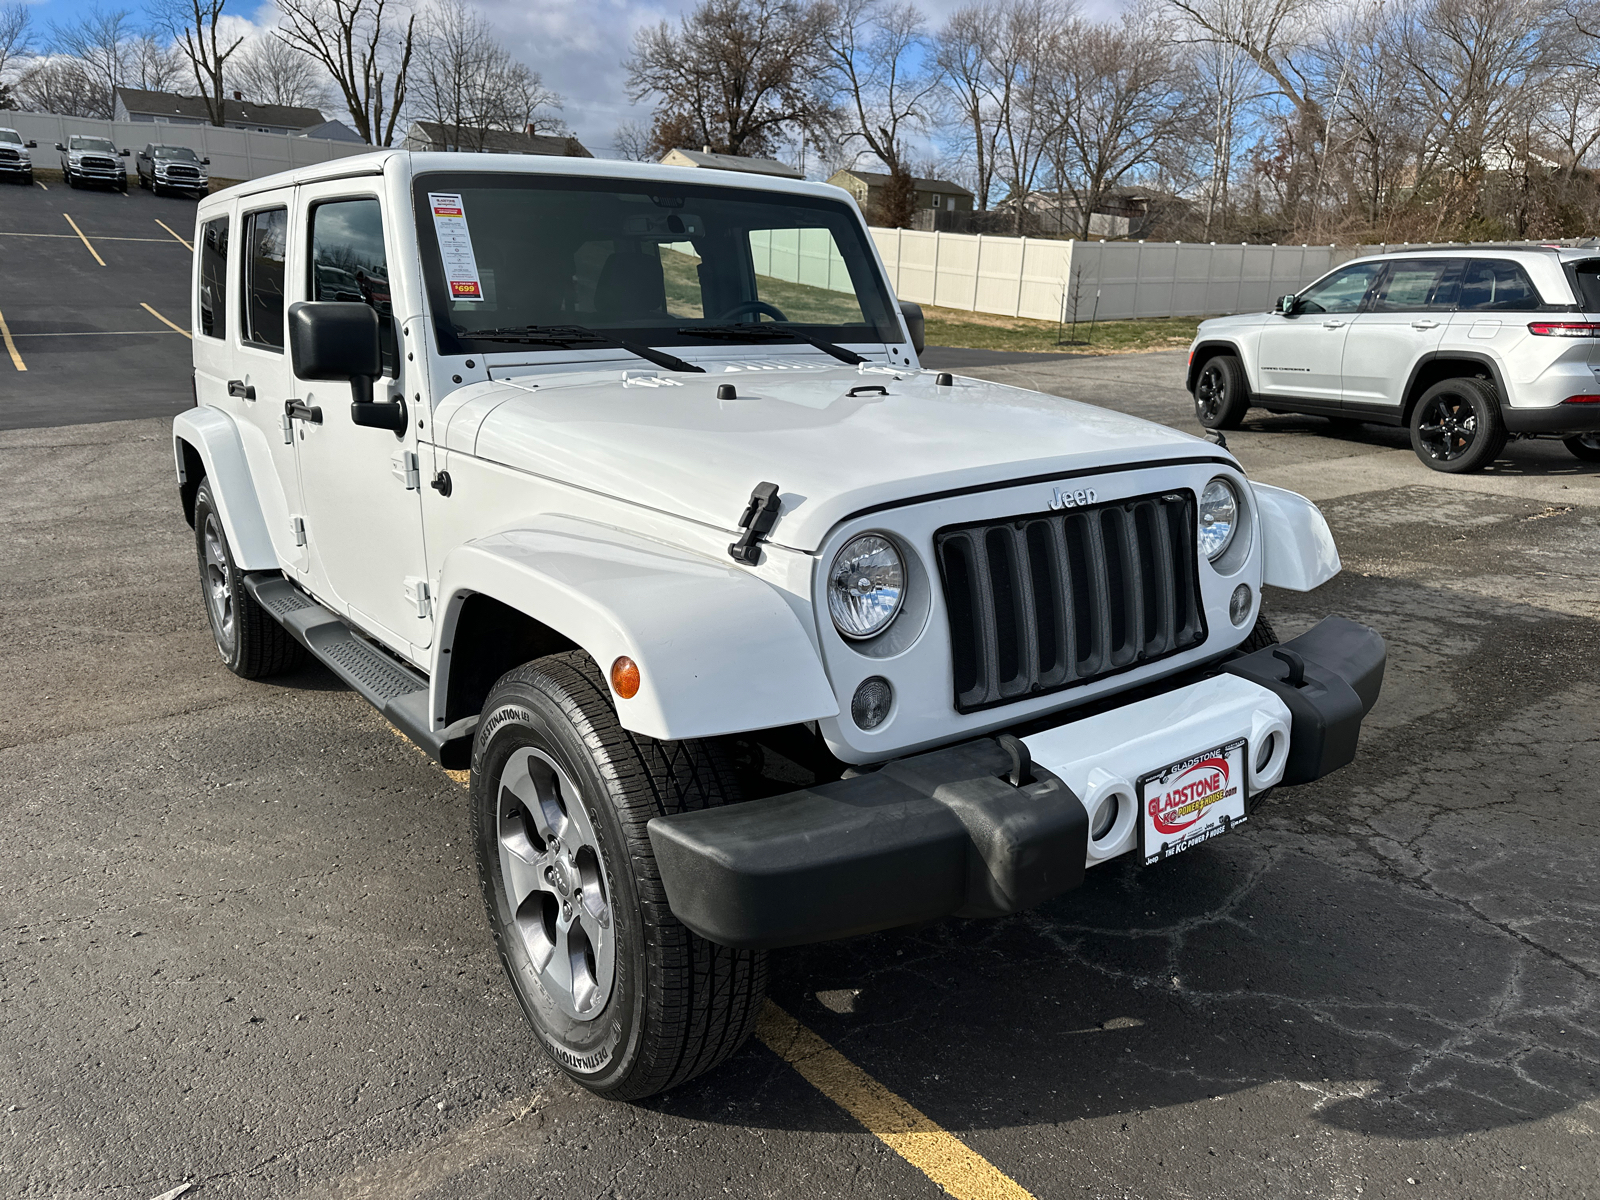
1584	445
1457	427
1221	393
622	996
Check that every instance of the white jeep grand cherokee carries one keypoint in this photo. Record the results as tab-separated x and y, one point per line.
1467	347
622	485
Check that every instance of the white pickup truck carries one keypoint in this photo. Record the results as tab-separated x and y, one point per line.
623	485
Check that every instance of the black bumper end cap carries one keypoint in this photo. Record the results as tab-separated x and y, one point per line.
934	835
1342	675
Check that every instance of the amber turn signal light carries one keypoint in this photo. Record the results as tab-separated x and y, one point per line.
625	677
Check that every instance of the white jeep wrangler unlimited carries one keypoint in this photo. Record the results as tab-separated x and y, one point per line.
622	484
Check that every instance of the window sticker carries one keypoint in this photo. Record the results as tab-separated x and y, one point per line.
455	246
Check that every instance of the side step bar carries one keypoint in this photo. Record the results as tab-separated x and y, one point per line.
394	689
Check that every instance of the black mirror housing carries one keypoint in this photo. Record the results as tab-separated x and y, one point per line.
915	324
205	162
338	340
123	152
61	148
33	145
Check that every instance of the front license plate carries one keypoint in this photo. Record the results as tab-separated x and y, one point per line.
1185	804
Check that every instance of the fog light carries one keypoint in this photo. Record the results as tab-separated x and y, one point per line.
1239	604
869	708
625	677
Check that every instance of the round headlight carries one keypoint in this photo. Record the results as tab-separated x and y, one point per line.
865	586
1219	517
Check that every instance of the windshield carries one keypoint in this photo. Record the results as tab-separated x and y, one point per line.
645	260
182	152
10	135
89	143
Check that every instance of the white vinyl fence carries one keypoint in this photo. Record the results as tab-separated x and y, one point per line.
1053	280
234	153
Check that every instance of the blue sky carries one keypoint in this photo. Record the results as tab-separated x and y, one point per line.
577	45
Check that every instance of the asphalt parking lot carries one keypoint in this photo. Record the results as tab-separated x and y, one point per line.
245	948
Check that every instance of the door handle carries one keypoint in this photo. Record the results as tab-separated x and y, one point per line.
296	411
240	390
1424	324
1333	324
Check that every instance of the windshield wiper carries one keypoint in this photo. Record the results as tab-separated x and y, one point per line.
565	336
751	332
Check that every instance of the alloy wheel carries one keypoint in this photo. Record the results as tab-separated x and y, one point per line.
1448	427
555	884
1210	392
219	593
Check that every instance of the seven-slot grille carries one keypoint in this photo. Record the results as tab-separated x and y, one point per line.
1053	600
10	156
182	173
97	164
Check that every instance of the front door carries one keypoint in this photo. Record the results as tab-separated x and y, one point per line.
1405	319
359	486
1302	353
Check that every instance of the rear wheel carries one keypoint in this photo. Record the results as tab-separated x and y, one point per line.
1221	395
1584	445
623	997
251	643
1457	427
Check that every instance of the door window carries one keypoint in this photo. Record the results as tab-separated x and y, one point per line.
1419	285
348	263
213	299
266	236
1341	292
1496	285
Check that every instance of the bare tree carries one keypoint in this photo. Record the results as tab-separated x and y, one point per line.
102	43
877	60
367	47
632	142
15	27
193	26
736	75
963	49
60	84
154	65
466	81
268	70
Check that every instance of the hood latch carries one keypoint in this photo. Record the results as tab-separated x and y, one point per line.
760	515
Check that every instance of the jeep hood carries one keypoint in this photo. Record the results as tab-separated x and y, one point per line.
669	443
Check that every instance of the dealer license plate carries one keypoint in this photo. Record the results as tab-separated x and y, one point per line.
1191	801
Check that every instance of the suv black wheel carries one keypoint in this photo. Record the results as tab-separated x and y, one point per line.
626	1000
1584	445
1221	395
1456	426
251	643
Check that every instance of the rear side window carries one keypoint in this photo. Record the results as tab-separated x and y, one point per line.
1585	277
1497	285
1419	285
265	241
348	263
213	299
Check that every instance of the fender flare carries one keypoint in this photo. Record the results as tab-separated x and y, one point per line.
214	438
1412	393
1297	548
719	650
1210	348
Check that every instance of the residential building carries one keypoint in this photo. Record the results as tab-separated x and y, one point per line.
169	108
432	135
729	162
935	195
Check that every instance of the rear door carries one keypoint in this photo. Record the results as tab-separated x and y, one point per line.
1491	317
360	486
1405	318
1302	353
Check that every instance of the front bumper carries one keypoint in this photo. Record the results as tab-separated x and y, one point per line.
946	834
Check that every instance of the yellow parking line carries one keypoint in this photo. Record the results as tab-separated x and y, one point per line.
170	230
934	1151
11	347
42	185
84	240
164	321
937	1153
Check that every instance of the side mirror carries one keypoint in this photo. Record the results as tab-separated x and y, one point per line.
1285	305
338	340
33	145
61	148
123	152
915	324
205	162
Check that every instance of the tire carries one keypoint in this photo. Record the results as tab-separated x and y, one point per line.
1262	634
653	1004
1584	445
71	182
1456	426
251	643
1221	393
